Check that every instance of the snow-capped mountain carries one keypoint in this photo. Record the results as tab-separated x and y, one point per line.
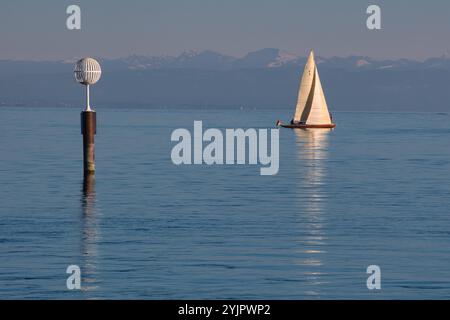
187	60
264	58
210	60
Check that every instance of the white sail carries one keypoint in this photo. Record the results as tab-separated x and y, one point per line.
311	104
305	88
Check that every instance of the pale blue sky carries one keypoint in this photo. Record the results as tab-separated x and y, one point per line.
111	28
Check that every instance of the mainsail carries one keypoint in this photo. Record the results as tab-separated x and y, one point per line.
311	104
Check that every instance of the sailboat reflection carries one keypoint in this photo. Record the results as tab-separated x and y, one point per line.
312	153
90	235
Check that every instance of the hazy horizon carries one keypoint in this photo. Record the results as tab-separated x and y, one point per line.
109	29
301	55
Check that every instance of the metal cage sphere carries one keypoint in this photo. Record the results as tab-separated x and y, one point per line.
87	71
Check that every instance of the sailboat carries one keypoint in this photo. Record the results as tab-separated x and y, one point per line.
311	110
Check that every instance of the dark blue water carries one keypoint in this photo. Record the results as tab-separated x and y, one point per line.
376	190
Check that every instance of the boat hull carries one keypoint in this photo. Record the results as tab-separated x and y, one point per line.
308	126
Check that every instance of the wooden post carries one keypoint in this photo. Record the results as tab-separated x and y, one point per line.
88	130
88	185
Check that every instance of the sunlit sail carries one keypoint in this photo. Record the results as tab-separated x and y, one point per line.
311	110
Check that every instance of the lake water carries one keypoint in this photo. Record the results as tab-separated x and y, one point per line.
374	191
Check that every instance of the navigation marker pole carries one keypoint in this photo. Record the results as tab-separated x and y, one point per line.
87	72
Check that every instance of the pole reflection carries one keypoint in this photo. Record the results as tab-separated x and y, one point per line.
312	152
90	234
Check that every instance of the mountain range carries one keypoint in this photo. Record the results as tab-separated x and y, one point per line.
266	78
265	58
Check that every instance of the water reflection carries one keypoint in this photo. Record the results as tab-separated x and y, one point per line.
312	152
90	234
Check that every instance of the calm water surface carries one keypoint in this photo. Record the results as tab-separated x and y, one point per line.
376	190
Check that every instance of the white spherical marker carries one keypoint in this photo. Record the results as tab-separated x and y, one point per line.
87	72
